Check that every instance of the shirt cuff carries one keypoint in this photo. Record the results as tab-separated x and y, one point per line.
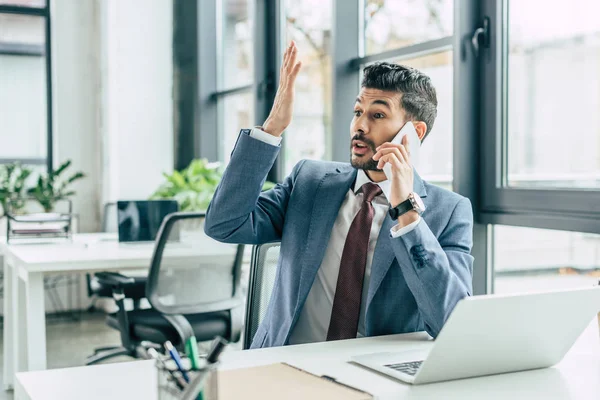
265	137
396	231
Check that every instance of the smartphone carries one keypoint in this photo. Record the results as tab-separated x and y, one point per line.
414	146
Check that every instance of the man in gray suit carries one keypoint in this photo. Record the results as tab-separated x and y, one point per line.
361	255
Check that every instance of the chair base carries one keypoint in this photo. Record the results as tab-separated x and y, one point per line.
104	353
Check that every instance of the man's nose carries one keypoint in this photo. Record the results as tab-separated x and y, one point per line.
360	126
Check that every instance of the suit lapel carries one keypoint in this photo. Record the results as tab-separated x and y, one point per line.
383	256
328	199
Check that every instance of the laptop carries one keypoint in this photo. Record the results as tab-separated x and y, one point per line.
139	220
495	334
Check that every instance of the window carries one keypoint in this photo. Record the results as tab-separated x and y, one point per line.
391	29
540	95
436	152
391	24
308	23
24	98
235	71
529	259
235	111
236	66
553	94
24	3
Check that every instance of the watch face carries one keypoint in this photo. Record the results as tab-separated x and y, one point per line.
417	202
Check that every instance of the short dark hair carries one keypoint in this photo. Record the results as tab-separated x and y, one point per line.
418	99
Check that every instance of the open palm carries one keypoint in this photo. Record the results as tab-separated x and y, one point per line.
283	106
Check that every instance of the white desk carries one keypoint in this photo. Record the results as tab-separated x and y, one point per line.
576	377
24	269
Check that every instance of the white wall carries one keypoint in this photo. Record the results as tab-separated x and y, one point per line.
76	75
137	96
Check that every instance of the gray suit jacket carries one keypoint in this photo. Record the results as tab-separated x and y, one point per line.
416	279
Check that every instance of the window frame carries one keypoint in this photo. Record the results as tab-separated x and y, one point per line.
25	50
548	208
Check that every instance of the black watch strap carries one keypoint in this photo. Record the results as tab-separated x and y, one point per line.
400	209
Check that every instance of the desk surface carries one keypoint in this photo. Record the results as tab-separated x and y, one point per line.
576	377
86	251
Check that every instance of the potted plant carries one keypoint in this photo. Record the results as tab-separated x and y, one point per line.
194	186
12	186
51	187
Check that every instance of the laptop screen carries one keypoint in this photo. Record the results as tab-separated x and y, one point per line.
139	221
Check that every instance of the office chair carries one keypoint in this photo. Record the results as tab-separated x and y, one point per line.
190	294
263	269
95	289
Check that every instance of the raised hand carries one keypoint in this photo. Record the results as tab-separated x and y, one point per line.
283	106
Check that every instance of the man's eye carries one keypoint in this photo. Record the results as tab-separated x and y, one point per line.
378	115
357	113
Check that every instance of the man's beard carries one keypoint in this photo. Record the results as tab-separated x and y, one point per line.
367	165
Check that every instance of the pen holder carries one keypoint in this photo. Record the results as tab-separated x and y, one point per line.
168	376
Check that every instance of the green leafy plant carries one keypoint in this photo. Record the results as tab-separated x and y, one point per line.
51	187
194	186
12	186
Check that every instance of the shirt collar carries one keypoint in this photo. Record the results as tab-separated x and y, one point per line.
362	178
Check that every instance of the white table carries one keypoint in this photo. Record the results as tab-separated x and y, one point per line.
576	377
24	268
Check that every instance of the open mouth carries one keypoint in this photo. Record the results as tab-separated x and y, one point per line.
359	148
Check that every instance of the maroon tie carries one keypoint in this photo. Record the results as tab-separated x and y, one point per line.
348	292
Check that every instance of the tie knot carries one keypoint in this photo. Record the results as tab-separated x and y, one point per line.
371	190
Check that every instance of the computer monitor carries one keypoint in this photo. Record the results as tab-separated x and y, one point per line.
140	220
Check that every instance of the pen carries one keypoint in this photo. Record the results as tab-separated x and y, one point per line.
191	346
178	379
175	356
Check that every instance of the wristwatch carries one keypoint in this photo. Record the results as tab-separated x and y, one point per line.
413	202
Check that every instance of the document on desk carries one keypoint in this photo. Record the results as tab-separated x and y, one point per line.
282	381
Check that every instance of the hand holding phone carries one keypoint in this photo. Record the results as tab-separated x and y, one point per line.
414	146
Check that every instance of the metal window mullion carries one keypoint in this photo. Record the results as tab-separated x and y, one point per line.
466	139
20	49
228	92
49	108
268	34
20	10
346	80
403	53
207	110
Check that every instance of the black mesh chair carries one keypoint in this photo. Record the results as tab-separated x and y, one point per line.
95	289
263	268
193	287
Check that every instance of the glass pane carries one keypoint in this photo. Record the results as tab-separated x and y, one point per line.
528	259
308	23
553	94
23	107
391	24
22	29
236	47
235	112
435	163
24	3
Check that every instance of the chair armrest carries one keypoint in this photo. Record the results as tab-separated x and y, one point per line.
113	279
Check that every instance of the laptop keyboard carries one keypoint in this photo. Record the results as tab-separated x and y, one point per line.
409	368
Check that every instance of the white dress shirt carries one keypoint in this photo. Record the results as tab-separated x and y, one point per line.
313	323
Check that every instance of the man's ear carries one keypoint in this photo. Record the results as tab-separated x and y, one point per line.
421	128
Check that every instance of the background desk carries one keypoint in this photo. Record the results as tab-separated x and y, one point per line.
24	269
576	377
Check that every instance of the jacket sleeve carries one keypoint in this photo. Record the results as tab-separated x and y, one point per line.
440	272
239	212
